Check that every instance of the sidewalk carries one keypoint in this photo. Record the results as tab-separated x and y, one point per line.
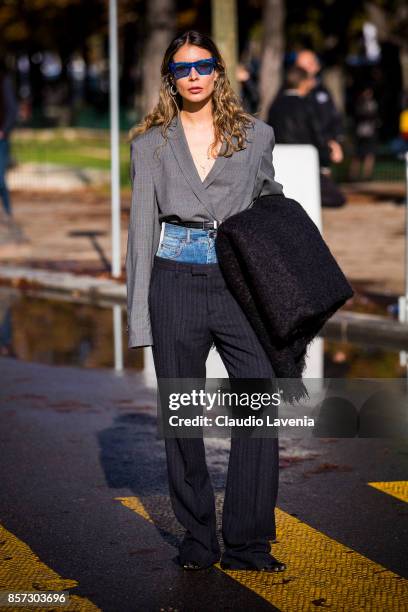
68	249
64	231
71	231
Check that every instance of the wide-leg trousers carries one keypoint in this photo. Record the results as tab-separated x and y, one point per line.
191	307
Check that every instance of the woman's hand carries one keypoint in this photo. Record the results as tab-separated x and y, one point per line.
336	152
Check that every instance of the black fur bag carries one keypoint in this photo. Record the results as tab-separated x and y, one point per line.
279	268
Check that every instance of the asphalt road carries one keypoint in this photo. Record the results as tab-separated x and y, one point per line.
84	507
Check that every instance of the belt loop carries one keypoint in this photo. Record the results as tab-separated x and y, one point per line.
188	235
162	232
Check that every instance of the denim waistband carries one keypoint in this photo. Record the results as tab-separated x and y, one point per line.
181	266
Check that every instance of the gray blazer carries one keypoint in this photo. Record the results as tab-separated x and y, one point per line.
168	183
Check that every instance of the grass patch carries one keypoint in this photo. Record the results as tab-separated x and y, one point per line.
77	149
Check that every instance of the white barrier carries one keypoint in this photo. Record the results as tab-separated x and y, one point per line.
297	169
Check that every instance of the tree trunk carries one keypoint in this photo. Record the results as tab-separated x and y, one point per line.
224	31
160	26
273	46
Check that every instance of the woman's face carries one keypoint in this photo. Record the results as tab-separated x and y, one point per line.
194	87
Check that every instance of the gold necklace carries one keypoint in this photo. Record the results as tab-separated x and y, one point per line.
206	167
206	163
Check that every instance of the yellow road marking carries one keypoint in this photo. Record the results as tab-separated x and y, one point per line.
397	488
22	570
321	572
136	505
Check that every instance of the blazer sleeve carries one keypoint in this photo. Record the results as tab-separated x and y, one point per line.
265	183
140	249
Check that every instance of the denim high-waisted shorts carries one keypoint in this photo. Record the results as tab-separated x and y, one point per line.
187	244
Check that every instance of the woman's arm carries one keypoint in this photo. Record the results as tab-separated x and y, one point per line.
140	246
265	183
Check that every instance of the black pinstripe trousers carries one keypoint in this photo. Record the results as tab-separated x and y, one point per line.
190	308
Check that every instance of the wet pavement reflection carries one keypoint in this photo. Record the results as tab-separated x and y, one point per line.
55	330
60	332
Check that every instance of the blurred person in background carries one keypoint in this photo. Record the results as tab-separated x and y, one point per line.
292	115
326	111
399	145
8	116
403	121
295	120
246	75
366	123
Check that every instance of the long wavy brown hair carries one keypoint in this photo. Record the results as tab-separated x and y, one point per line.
230	119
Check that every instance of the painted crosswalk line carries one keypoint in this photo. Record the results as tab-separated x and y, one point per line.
396	488
22	570
321	572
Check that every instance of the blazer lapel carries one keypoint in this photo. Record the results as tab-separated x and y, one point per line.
182	153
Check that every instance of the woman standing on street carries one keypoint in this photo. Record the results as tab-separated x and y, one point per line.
198	158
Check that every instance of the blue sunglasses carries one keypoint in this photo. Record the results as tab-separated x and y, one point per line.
183	69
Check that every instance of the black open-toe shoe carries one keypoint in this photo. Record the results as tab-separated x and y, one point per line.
273	566
194	565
